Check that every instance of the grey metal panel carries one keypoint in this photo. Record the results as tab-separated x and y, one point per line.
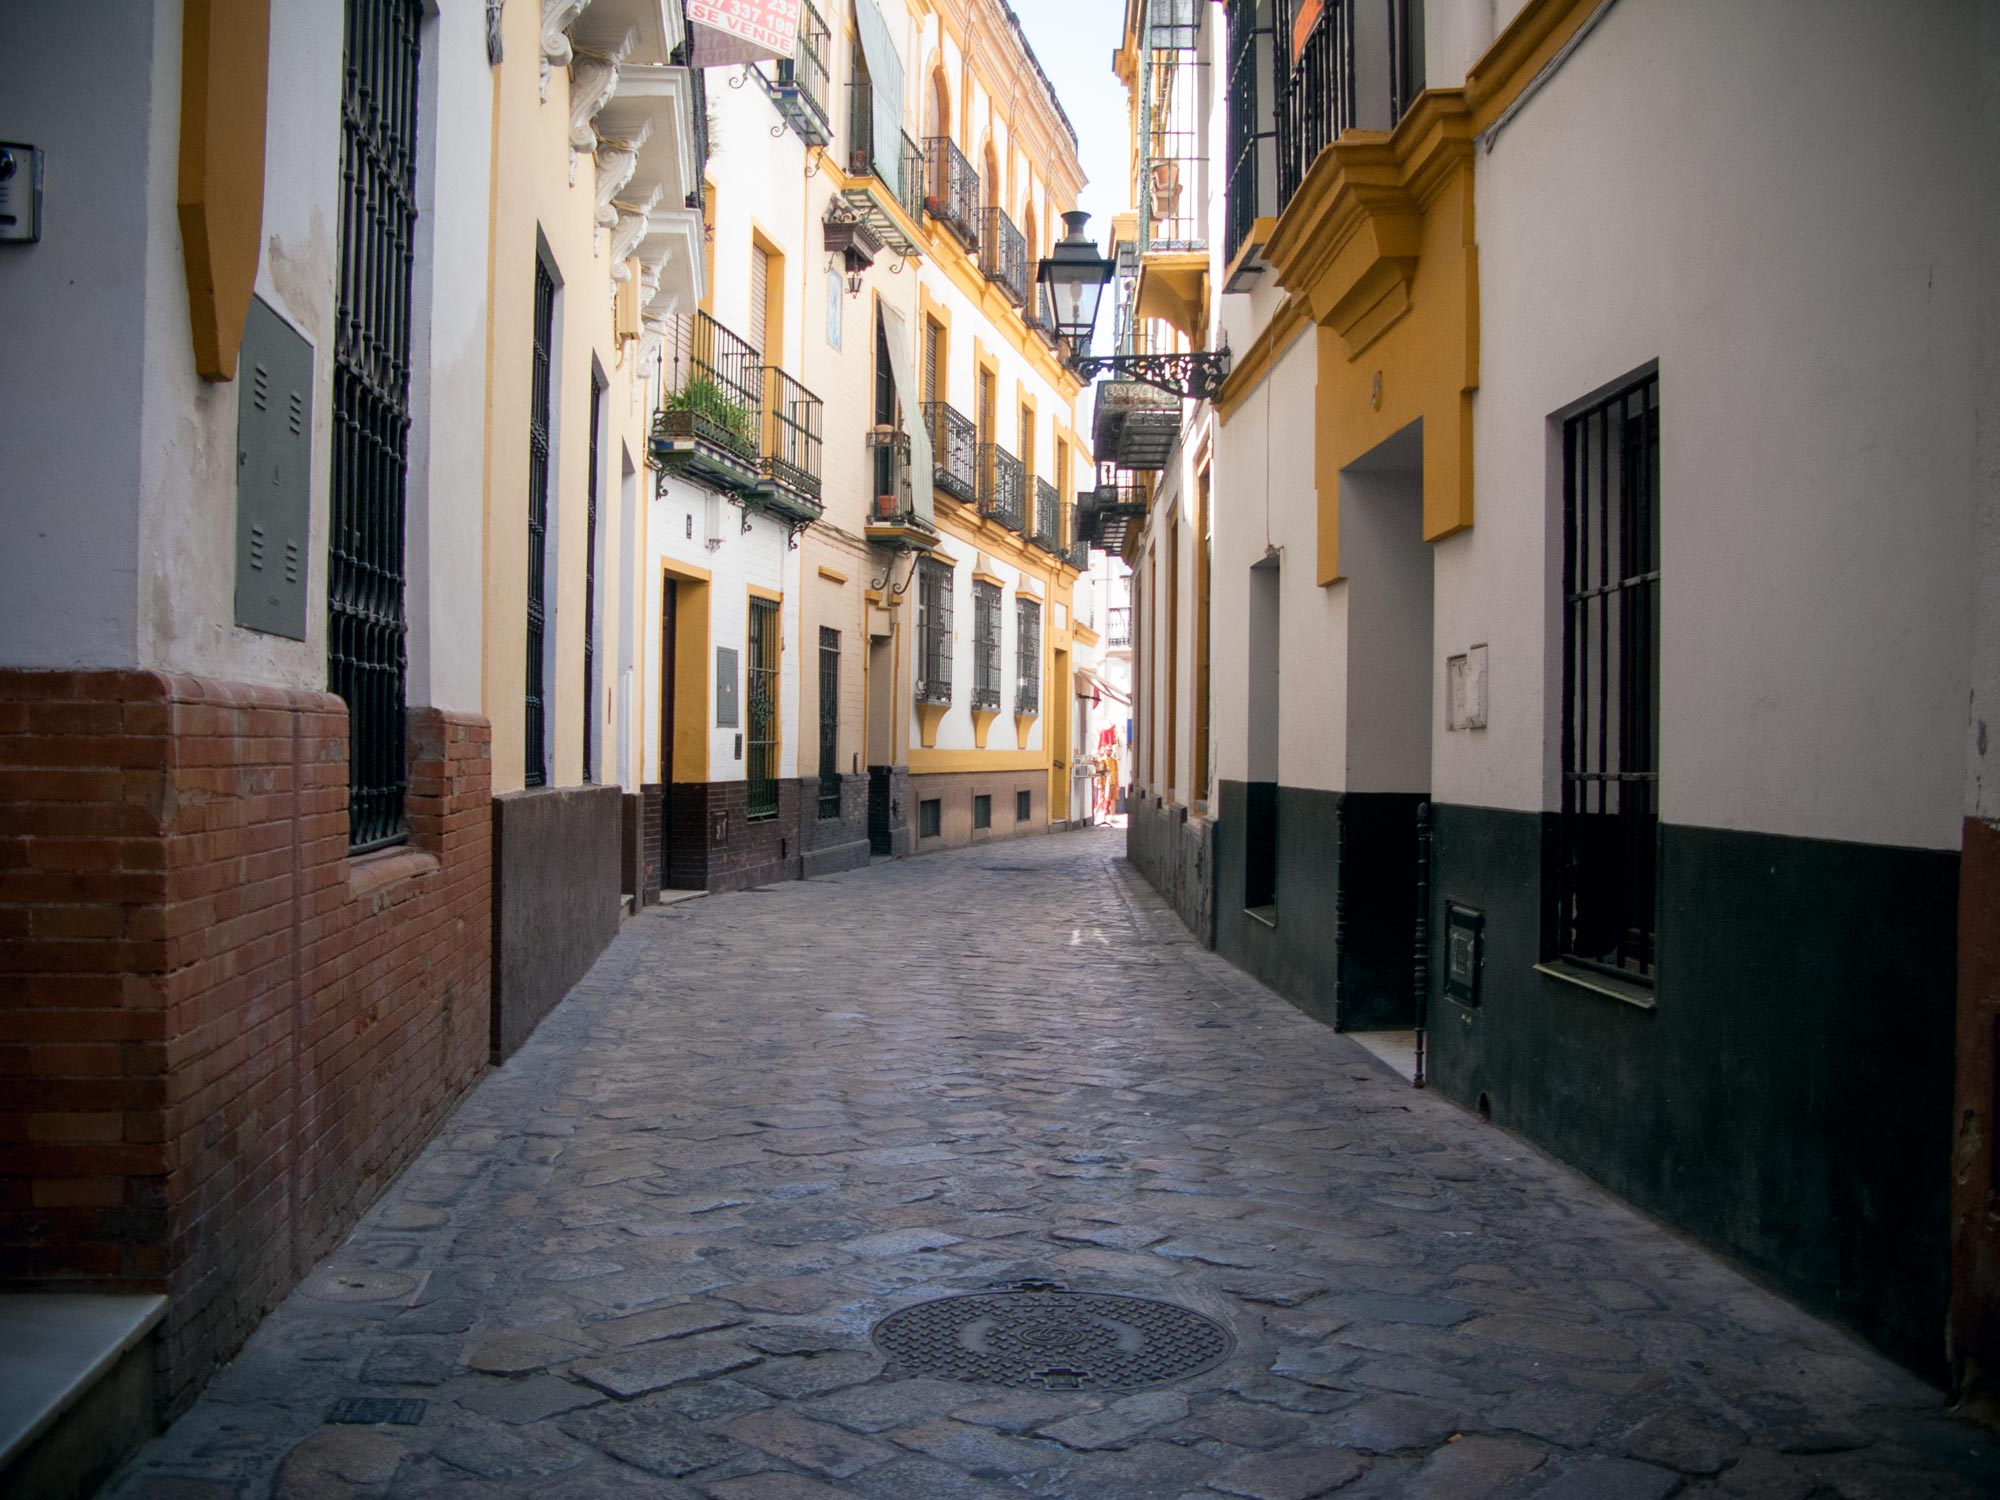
725	687
273	474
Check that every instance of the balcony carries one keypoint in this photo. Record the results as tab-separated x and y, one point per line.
1135	425
1003	254
1347	77
892	510
890	194
1075	551
1120	499
1118	625
1047	532
1003	487
789	461
954	451
1040	316
800	89
951	189
710	427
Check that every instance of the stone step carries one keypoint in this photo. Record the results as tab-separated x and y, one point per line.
76	1387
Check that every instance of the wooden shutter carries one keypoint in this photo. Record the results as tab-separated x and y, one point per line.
760	295
930	359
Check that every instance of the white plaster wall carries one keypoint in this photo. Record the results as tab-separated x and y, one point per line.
1658	200
70	378
955	731
1264	499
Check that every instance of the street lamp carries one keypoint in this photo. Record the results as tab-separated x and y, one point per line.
1076	275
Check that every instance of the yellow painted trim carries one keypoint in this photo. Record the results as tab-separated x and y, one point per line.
982	724
1024	723
830	575
1538	31
758	591
928	307
929	716
1250	370
225	82
1084	635
1253	245
708	223
687	570
1173	287
928	762
985	576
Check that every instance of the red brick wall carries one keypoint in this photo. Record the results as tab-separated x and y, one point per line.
220	1037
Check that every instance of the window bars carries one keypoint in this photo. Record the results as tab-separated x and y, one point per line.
1252	133
933	682
535	701
1048	517
591	496
985	645
954	450
863	160
829	722
1003	254
760	745
1004	484
1173	182
1361	67
1027	656
951	189
1604	874
371	403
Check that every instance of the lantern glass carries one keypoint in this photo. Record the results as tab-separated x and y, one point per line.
1076	276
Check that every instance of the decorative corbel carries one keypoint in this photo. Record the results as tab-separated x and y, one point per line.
634	219
556	49
593	79
616	162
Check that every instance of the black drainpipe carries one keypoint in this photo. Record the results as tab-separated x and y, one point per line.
1421	969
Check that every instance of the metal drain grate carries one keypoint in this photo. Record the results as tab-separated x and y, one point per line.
1053	1340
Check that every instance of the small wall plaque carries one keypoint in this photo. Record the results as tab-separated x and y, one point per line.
1464	953
725	687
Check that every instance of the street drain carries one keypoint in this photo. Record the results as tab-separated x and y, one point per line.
358	1286
1053	1340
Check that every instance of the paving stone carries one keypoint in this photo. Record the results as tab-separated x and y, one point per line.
516	1353
663	1323
410	1361
1145	1471
975	1449
1023	1411
1675	1440
919	1478
791	1379
1242	1425
1389	1424
651	1366
1296	1475
1550	1336
506	1452
1473	1468
337	1464
811	1445
649	1436
530	1400
1121	1423
1599	1478
789	1294
877	1407
899	1242
711	1400
775	1485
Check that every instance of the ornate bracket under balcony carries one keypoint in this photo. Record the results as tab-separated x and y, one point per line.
1197	375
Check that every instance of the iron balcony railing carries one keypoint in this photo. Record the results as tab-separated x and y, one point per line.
1003	487
951	189
698	95
1118	625
792	422
802	79
1341	81
862	159
1040	315
892	502
954	451
715	389
1003	254
1048	517
1251	47
1075	550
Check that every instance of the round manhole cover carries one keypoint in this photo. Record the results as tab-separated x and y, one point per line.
358	1286
1067	1341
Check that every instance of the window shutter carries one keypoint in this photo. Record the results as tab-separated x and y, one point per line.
760	297
930	360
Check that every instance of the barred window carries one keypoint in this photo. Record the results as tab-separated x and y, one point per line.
590	585
760	746
1028	656
985	645
933	683
535	689
829	723
366	629
1603	877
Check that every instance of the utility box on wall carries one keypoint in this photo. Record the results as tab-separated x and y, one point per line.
273	474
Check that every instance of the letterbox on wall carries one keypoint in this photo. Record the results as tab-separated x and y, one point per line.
273	474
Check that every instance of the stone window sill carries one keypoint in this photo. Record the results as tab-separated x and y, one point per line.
378	873
1638	996
1268	915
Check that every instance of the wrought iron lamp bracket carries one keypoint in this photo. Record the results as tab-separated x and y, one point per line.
1196	376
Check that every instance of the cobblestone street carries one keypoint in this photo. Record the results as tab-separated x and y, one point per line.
646	1255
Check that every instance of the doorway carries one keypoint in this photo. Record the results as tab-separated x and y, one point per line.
1061	752
669	685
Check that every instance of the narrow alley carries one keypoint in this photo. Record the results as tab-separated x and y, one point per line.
647	1255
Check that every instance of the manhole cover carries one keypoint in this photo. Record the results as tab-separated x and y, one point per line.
358	1286
1053	1340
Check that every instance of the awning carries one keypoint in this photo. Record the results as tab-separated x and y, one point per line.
922	475
885	80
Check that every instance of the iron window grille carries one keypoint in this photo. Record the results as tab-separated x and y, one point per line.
1024	806
1251	126
982	811
1174	181
760	745
1361	67
1003	254
1048	517
535	699
985	645
590	585
951	189
1028	656
1004	483
930	818
933	684
366	626
829	722
1118	625
1604	873
954	450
